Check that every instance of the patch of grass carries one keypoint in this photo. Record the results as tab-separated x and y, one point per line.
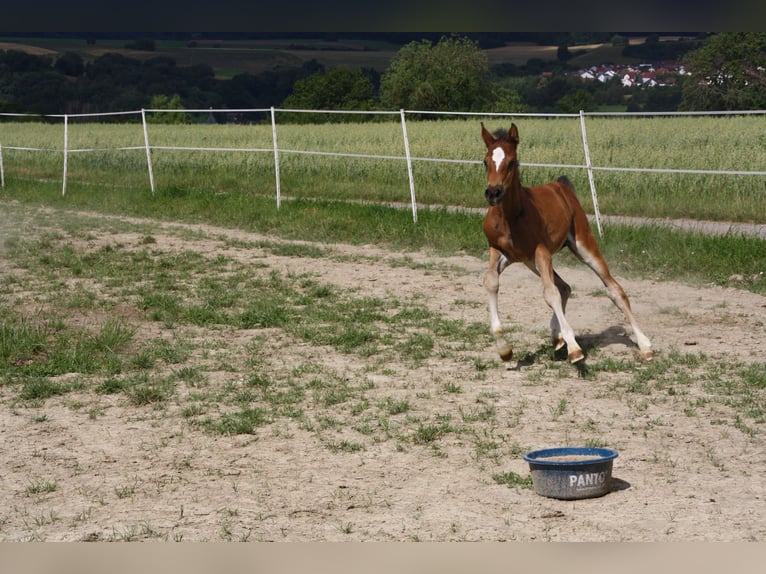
345	446
333	394
742	387
416	347
264	312
41	487
560	408
484	412
244	421
753	375
453	388
429	433
512	479
396	407
21	339
145	390
114	335
191	375
595	443
487	448
37	389
125	491
110	386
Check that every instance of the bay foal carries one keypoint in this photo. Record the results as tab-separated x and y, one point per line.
530	225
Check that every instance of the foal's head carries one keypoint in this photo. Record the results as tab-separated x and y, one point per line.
500	161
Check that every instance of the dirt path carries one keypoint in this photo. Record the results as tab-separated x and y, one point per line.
690	470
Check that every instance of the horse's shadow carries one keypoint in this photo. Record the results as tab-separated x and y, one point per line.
614	335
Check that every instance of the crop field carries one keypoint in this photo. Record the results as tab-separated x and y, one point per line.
245	165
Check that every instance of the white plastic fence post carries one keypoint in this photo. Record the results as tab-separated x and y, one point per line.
590	174
409	169
2	170
276	155
148	150
66	154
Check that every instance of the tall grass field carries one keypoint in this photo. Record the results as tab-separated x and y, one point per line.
243	162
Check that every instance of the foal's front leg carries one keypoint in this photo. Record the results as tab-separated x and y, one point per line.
497	264
565	291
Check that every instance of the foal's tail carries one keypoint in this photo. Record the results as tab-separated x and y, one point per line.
565	180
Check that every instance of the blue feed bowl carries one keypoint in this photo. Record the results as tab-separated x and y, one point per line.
571	473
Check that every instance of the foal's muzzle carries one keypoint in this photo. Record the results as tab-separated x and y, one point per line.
494	194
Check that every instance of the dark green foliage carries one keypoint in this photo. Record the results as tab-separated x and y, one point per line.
726	73
417	71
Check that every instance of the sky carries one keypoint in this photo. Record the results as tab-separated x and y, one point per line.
381	16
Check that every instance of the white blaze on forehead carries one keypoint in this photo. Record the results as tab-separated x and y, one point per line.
498	156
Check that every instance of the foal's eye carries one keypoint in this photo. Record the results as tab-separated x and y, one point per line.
485	162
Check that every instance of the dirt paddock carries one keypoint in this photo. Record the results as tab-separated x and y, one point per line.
686	471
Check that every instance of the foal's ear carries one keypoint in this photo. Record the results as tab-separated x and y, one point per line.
488	138
513	134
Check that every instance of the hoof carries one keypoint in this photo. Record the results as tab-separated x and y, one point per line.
576	356
506	353
645	355
558	343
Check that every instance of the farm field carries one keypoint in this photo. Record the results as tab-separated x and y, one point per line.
237	159
188	382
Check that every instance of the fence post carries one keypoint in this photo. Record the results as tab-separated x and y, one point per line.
66	154
148	150
409	169
276	155
2	170
590	174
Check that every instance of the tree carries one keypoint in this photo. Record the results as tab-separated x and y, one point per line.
573	103
17	62
163	102
337	89
727	73
70	64
452	75
543	93
618	40
43	92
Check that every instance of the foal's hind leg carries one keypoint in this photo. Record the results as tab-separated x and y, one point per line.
497	264
589	253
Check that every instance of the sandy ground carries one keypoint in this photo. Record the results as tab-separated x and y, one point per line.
685	470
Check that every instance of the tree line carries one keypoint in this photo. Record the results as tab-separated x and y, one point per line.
448	74
114	82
